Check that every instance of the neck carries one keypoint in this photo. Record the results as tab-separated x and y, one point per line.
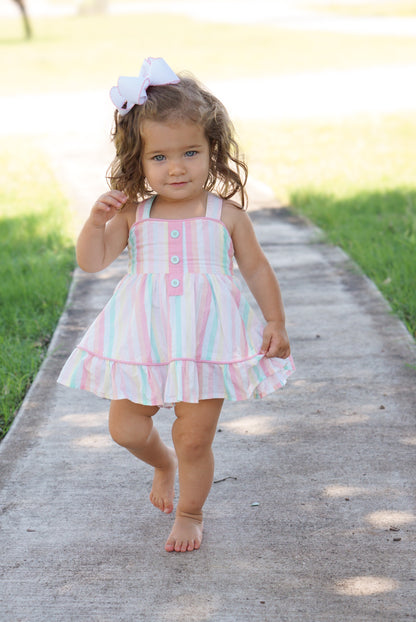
190	208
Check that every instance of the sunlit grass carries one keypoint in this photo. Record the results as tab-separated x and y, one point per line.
36	258
355	180
76	53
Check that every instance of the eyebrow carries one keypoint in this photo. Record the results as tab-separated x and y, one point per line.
160	151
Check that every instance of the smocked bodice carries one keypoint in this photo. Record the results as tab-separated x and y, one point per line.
177	247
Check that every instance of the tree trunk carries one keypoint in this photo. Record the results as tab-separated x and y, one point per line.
26	22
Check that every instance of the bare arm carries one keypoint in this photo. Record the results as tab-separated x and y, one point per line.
262	281
105	233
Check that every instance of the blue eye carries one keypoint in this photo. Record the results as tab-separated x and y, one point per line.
158	158
190	154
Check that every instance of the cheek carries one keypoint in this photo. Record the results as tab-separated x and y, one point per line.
205	165
148	170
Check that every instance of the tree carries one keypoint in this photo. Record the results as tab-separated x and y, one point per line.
25	17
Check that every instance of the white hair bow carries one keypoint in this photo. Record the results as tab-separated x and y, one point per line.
132	90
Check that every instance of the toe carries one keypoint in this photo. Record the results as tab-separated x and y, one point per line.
170	544
155	501
180	547
168	508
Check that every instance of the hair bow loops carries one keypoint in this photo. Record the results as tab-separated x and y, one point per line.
132	90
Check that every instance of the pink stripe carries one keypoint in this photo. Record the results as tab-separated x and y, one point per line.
99	333
211	383
153	385
189	246
198	247
201	361
139	211
235	382
238	334
175	249
188	220
83	381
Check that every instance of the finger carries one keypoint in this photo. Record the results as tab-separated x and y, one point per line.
107	204
118	193
114	198
278	350
265	346
119	197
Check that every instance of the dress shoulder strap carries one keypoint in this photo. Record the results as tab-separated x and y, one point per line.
143	209
214	206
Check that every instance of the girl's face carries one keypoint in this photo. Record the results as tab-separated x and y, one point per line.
175	159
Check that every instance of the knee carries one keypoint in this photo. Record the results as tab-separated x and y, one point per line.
127	435
191	446
118	432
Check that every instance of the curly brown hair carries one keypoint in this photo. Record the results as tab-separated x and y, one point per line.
187	100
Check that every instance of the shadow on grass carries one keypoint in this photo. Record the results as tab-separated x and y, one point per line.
377	229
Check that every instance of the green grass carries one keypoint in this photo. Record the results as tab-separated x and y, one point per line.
377	228
355	180
91	52
36	259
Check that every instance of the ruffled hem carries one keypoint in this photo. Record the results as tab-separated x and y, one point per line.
176	381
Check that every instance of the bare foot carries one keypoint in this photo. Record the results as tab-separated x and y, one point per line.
186	534
163	488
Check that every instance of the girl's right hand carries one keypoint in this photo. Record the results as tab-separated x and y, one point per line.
106	206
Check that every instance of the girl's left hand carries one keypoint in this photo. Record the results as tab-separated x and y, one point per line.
275	341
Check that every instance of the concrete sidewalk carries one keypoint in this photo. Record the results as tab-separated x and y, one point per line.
329	463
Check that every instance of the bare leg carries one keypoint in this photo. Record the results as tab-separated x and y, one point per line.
193	433
132	427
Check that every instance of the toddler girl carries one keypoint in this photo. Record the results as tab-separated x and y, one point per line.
177	330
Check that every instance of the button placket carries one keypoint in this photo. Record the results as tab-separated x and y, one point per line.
175	250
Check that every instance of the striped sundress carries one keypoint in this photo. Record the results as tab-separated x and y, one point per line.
177	328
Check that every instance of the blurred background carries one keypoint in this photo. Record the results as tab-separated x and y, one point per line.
323	98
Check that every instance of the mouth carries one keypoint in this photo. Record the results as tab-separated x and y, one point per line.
178	184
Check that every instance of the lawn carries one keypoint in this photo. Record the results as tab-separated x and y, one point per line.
90	52
36	260
354	179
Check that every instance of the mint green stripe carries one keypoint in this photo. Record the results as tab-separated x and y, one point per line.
245	310
225	257
132	253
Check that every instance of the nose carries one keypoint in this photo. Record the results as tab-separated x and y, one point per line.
176	167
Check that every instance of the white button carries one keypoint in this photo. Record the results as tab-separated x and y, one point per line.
174	259
175	283
174	233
